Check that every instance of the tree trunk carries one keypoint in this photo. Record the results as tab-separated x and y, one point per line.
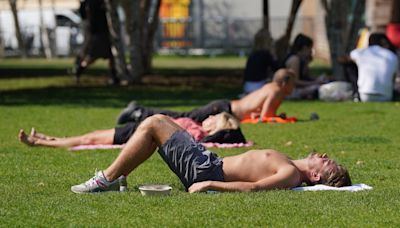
395	17
282	44
135	35
117	46
336	21
266	14
149	28
1	45
44	36
355	25
263	39
21	44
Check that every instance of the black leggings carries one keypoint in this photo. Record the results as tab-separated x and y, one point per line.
198	114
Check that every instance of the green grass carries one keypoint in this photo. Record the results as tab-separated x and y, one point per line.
35	182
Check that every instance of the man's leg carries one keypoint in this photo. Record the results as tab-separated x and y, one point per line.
114	80
139	113
152	132
212	108
84	63
308	92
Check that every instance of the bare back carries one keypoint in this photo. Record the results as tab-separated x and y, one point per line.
256	165
267	99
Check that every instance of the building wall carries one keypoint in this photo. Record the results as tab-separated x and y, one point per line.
310	19
378	13
33	4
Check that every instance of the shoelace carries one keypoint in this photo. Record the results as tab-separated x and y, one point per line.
94	181
91	183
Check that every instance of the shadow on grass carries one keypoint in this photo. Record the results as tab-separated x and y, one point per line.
164	87
362	140
51	71
43	72
198	72
106	96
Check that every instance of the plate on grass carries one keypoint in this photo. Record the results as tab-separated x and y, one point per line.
155	190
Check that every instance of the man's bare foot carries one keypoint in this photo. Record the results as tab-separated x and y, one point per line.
37	135
24	138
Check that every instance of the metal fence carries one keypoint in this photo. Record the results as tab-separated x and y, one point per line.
219	35
208	36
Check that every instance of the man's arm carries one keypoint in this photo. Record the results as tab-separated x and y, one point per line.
293	63
271	104
345	59
284	179
355	54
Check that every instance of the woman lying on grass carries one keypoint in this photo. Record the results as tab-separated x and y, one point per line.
221	128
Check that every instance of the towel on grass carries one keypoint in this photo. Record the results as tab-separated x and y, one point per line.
97	147
275	119
321	187
105	147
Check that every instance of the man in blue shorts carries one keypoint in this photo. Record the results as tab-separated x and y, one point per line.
200	169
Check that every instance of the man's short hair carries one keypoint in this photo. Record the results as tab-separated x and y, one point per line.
283	76
382	40
336	177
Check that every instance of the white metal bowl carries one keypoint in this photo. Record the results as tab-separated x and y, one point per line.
155	190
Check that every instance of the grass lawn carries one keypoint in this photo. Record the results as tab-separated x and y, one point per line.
35	182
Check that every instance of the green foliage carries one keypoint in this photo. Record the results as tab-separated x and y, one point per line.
35	181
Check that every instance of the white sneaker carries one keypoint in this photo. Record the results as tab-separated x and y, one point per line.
98	183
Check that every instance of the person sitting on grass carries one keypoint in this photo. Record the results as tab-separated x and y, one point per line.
201	170
299	58
263	102
260	65
221	128
376	68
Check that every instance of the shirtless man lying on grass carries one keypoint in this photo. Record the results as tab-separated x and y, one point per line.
261	103
200	169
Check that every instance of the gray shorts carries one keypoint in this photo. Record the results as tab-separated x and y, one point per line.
190	160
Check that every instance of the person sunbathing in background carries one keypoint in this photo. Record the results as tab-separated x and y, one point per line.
221	128
201	170
261	103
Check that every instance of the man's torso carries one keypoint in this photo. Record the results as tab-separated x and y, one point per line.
254	101
254	165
